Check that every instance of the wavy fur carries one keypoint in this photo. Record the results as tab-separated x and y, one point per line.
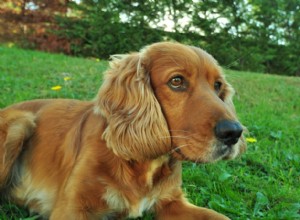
136	125
119	155
15	127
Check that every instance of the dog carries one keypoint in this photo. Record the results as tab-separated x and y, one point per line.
120	155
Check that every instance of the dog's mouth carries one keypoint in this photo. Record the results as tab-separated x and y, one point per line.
178	152
219	151
224	151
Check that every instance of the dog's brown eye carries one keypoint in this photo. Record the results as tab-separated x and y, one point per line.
217	86
177	82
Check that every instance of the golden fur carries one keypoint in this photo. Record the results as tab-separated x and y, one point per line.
119	155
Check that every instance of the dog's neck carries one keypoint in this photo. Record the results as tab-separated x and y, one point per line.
143	174
152	171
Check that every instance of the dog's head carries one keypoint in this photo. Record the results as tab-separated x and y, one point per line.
169	99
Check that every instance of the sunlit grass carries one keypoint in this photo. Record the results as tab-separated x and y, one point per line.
263	184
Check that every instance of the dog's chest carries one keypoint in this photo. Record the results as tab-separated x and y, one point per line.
134	207
140	198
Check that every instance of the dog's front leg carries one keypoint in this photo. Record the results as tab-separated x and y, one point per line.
179	208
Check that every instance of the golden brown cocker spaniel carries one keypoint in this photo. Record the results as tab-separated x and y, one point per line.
120	155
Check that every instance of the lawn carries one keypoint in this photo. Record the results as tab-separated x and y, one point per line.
262	184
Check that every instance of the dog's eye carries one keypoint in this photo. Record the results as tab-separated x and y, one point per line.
217	86
177	82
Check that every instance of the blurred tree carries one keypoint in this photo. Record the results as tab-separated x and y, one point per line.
276	31
257	35
26	22
109	27
251	34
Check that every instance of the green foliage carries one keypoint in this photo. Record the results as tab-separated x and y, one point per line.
99	32
249	35
261	184
252	35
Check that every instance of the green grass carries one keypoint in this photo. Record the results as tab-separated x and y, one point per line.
263	184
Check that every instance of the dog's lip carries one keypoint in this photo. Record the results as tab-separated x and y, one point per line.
179	152
186	158
225	151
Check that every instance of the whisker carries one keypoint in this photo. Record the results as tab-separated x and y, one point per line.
237	60
180	130
175	149
183	137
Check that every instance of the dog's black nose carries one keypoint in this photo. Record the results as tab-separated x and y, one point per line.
228	132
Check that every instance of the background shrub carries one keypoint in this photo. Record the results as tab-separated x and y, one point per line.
254	35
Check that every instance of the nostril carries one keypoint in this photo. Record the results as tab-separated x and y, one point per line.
228	132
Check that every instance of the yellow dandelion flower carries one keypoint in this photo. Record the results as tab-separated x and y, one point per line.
67	78
10	45
251	140
56	88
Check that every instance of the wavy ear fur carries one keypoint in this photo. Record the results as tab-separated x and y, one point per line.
136	127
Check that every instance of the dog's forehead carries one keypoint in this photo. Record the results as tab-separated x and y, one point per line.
170	53
179	57
209	66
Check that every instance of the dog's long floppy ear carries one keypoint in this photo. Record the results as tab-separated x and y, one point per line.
136	127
